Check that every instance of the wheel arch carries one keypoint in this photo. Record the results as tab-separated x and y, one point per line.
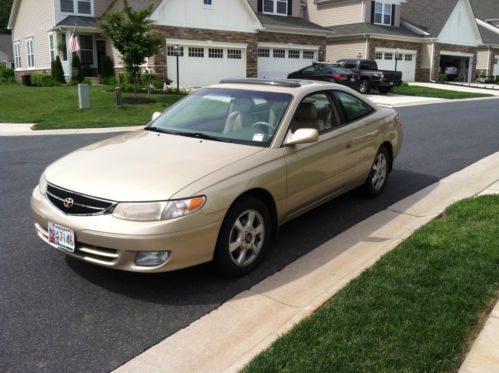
388	146
268	199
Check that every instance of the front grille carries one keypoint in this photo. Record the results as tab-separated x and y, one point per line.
76	203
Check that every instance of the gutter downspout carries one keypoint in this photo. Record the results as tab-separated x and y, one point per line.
366	47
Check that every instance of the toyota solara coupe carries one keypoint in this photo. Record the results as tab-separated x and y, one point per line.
214	176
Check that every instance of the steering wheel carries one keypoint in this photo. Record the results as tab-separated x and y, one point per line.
265	126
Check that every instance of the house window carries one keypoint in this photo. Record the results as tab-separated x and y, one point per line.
215	53
170	51
207	2
279	53
30	53
275	7
308	55
408	57
382	13
52	47
196	52
17	55
86	50
84	7
67	6
378	56
234	54
293	54
398	56
263	52
389	56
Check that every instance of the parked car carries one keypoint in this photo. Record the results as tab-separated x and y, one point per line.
327	73
372	77
215	175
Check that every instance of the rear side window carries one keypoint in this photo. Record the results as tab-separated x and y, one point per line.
353	108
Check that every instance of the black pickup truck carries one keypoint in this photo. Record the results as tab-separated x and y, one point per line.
370	76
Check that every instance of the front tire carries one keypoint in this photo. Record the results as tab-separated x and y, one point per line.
378	177
243	238
365	87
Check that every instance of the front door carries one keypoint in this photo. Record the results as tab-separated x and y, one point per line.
101	52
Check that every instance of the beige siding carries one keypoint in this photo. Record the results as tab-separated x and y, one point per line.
296	7
335	14
100	6
367	11
338	51
34	19
425	56
482	60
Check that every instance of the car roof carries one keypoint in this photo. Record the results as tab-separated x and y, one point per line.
292	86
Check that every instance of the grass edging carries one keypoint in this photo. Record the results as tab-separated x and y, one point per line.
418	309
414	90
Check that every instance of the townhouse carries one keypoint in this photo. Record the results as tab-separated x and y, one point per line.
421	38
216	39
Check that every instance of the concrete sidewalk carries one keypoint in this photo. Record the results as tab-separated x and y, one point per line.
457	88
229	337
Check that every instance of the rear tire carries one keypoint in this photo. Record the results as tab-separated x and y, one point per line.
376	181
365	87
384	90
243	238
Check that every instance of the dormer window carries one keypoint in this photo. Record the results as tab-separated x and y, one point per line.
383	13
81	7
279	7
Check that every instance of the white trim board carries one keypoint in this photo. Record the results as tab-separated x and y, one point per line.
407	51
288	46
205	43
457	54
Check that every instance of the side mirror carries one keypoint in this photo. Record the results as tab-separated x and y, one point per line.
155	116
303	136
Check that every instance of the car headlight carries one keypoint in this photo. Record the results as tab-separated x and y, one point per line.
42	185
155	211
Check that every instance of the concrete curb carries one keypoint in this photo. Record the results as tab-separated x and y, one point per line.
226	339
25	129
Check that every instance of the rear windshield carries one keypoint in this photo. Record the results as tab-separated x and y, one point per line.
231	115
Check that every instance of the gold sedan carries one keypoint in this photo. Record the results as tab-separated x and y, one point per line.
214	176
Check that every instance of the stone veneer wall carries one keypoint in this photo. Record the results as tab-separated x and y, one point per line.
20	73
158	62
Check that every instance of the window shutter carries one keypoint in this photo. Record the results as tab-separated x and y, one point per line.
260	6
290	7
393	14
373	7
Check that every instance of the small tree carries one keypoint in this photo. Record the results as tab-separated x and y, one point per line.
58	71
106	67
77	75
131	33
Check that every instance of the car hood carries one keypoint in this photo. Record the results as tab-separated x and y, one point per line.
142	165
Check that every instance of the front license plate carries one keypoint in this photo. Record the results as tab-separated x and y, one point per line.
62	237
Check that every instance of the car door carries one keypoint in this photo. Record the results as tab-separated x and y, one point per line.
319	170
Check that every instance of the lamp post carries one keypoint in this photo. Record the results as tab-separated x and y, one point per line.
177	55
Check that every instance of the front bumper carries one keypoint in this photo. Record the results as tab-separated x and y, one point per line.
110	242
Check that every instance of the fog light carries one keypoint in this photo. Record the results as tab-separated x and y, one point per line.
151	258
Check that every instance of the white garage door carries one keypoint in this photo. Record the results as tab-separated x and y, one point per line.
276	61
201	65
496	66
406	62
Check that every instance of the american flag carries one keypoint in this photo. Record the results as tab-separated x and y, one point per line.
74	44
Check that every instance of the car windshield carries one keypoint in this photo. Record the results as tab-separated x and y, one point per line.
228	115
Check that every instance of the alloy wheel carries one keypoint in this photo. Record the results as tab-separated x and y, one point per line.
380	169
246	238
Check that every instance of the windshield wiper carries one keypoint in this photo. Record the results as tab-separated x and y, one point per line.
160	130
204	136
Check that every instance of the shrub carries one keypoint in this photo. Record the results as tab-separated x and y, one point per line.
443	78
109	80
58	71
497	79
7	75
86	81
42	80
106	67
76	69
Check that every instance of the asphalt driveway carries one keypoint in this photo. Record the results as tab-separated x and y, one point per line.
58	314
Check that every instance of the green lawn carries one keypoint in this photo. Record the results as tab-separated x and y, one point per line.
57	107
417	310
414	90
